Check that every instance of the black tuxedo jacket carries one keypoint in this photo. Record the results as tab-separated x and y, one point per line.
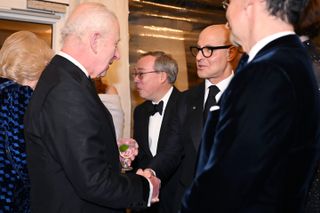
267	137
72	152
191	117
195	136
169	150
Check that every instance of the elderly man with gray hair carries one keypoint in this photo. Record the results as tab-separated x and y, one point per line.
71	142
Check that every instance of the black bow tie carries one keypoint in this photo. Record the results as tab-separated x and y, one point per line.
154	108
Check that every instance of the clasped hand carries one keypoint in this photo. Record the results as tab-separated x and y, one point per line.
156	182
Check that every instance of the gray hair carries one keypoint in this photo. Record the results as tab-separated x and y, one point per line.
287	10
164	63
88	17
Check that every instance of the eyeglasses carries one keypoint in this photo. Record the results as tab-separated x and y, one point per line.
225	4
207	51
140	74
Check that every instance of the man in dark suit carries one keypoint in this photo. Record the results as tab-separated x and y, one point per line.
155	127
73	158
267	134
214	56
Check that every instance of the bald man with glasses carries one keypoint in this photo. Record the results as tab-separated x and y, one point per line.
266	146
214	56
155	123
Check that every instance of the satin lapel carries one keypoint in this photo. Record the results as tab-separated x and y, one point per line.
144	122
168	113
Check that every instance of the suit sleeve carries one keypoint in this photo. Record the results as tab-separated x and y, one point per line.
83	143
250	141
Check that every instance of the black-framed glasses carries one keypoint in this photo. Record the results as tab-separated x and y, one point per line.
225	4
140	74
206	51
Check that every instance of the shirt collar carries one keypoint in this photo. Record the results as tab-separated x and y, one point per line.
74	61
263	42
222	85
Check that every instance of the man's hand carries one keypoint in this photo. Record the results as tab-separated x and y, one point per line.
128	149
146	172
156	183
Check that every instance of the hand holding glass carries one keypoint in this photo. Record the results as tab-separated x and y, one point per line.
128	149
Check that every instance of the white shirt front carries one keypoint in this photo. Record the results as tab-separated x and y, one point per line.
155	122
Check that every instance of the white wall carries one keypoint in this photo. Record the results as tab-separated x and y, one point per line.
118	74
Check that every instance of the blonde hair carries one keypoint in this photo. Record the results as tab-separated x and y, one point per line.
23	57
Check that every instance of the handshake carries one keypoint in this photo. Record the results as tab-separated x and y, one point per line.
128	149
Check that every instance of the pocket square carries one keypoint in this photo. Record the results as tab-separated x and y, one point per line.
214	108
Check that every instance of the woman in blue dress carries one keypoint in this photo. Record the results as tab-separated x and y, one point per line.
23	56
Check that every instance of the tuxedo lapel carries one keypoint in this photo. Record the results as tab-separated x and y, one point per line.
144	127
168	113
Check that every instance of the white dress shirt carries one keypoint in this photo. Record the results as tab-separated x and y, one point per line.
155	122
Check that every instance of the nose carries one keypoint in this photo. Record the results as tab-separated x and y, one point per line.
199	56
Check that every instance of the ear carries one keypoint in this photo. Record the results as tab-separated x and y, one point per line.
232	52
94	42
163	77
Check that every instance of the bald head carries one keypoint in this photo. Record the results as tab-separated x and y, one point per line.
217	34
214	61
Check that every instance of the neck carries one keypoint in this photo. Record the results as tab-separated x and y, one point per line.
263	25
161	93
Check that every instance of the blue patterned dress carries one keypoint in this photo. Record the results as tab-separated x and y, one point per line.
14	181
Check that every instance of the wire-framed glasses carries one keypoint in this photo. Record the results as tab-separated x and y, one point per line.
225	4
206	51
140	74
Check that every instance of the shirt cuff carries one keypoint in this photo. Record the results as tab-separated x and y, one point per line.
150	192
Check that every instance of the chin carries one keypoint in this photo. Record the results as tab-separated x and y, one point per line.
201	74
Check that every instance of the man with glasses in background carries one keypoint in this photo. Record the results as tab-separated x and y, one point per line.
267	137
155	125
214	55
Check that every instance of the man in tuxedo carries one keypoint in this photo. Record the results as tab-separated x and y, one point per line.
214	56
73	158
267	136
155	123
